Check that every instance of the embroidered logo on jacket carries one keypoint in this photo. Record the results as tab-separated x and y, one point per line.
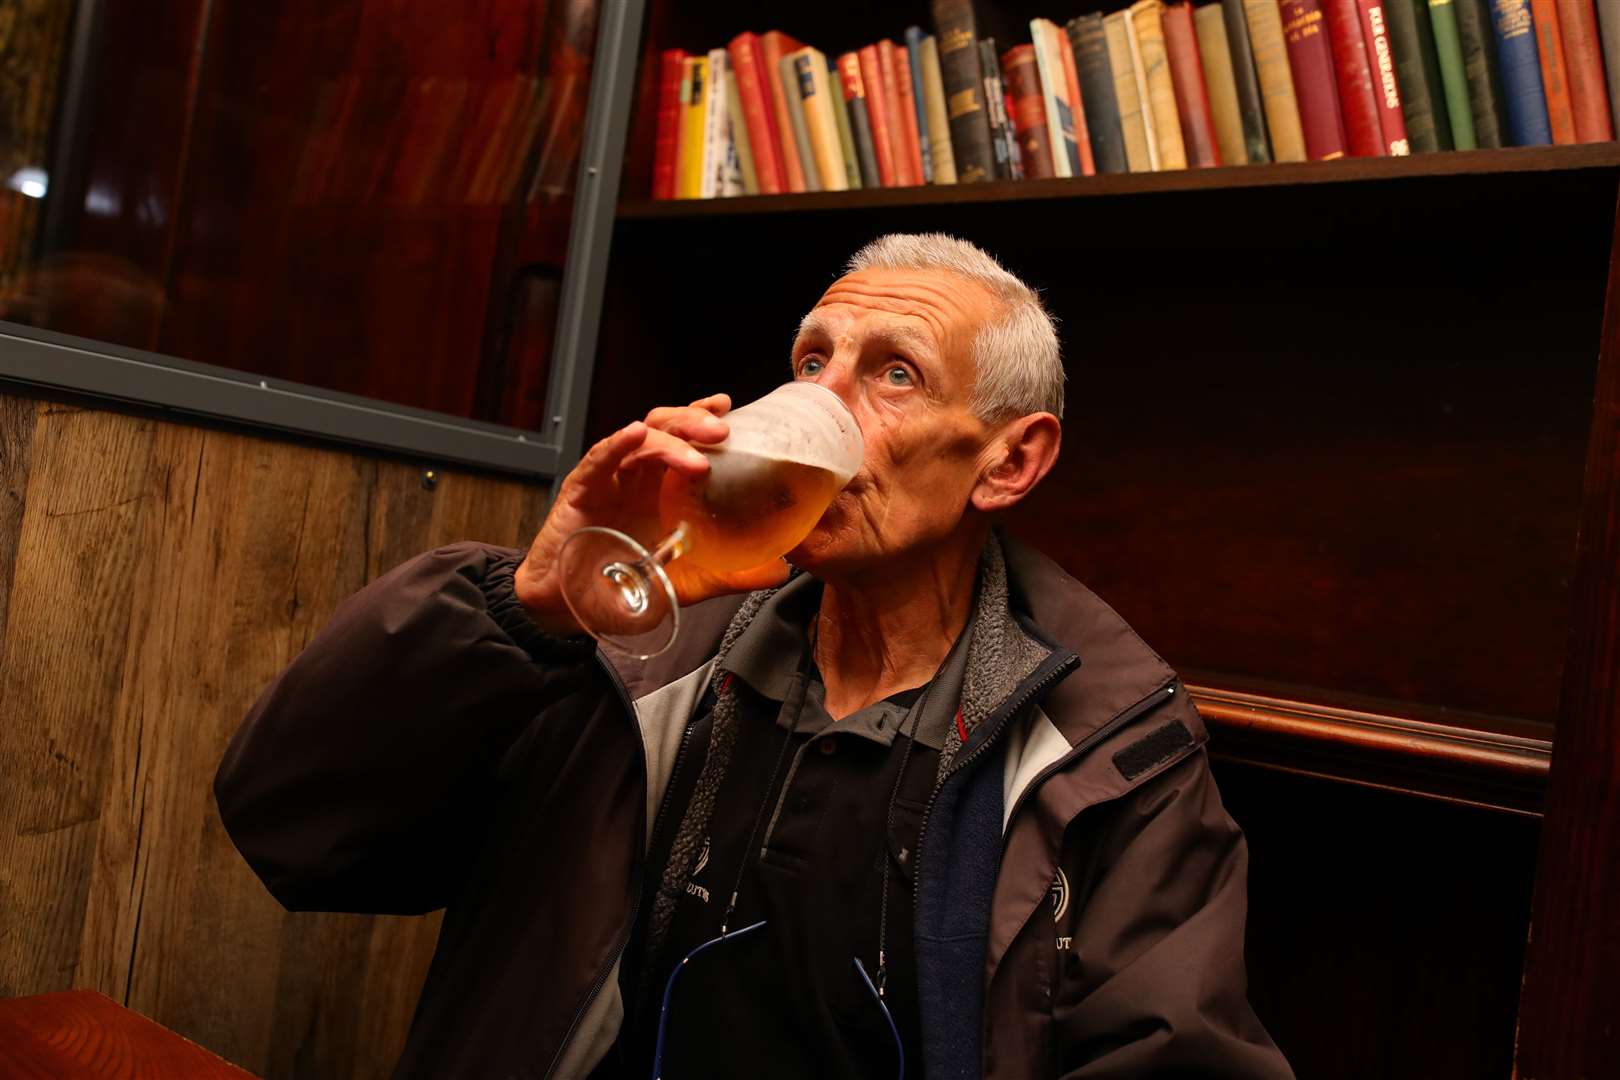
692	887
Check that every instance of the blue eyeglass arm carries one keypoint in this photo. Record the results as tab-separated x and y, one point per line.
669	989
899	1047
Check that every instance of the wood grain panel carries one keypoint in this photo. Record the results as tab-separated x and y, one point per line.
1572	977
163	575
83	1034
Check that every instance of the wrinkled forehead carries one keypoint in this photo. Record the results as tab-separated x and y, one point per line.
939	309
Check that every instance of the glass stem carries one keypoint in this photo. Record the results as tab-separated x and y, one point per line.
673	546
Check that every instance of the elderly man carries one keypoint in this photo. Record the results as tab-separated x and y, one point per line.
926	808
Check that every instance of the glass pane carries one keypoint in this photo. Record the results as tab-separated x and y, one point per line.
370	196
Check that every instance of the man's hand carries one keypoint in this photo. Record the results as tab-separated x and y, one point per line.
616	485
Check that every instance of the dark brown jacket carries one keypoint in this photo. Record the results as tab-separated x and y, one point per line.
1081	890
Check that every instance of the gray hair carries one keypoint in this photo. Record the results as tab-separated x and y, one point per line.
1017	364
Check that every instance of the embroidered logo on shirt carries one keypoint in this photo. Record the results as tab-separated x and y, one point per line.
1060	895
692	887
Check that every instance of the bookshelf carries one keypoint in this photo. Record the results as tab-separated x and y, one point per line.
1328	449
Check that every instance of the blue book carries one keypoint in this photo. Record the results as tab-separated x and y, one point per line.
914	40
1520	65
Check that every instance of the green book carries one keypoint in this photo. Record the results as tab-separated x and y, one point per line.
739	135
801	134
846	137
1453	74
1480	66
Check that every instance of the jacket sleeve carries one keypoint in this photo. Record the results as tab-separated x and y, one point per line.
363	778
1154	981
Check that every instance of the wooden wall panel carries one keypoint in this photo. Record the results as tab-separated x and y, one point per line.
161	576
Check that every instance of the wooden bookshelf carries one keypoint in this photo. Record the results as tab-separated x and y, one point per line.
1330	447
1601	158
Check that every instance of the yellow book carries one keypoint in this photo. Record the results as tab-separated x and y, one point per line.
815	89
1138	155
694	123
1147	23
1276	79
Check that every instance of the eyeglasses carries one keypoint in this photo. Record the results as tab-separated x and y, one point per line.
674	976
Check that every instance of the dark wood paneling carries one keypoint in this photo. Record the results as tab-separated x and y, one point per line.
1572	979
161	576
1385	932
1326	435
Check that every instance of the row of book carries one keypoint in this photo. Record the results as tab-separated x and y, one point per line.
1153	86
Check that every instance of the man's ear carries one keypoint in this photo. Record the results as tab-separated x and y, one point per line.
1021	454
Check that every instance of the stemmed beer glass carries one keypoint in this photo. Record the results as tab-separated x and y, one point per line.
787	455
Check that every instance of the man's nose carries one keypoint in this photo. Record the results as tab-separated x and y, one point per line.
839	377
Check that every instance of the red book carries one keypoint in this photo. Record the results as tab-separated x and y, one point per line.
1071	75
773	45
1386	88
1554	71
878	115
906	106
1192	97
1310	58
669	123
1022	75
1583	56
904	148
1363	135
748	61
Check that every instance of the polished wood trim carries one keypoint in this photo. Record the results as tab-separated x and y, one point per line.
1470	765
1349	170
1571	984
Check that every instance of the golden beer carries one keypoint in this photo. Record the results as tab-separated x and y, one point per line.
748	510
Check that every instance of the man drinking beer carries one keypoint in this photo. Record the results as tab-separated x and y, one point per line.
923	807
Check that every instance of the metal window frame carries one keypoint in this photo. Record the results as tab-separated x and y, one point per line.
35	358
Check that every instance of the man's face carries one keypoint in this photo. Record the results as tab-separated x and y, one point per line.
896	346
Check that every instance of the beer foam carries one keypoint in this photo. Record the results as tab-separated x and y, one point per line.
799	422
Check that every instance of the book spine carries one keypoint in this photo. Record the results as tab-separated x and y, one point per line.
788	74
1484	78
1087	164
726	172
1002	143
963	79
1133	131
1608	15
1310	59
1523	98
1210	26
906	160
1417	72
1090	44
692	128
1251	107
758	115
906	109
742	146
665	150
939	122
1453	76
1054	103
714	83
1381	58
1364	136
1276	79
846	132
878	116
1187	79
819	119
1554	71
1019	68
854	88
773	46
914	40
1588	96
1147	16
1139	71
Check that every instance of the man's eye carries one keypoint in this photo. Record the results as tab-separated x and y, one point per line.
810	366
898	376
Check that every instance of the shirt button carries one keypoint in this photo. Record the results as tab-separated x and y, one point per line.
829	745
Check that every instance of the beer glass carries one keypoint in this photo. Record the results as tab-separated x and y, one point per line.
787	455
